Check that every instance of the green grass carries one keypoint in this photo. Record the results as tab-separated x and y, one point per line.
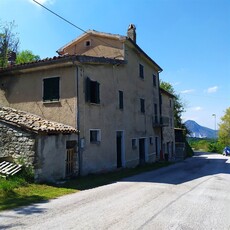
15	192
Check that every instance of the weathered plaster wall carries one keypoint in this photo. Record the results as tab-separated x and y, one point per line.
24	91
17	144
51	157
99	46
109	118
168	131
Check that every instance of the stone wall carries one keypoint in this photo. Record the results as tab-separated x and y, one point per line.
16	143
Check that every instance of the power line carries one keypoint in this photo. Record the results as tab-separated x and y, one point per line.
60	16
73	24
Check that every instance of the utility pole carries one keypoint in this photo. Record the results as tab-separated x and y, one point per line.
214	115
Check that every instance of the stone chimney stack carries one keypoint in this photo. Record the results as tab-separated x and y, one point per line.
131	33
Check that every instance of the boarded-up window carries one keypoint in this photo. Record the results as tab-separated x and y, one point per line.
92	91
51	89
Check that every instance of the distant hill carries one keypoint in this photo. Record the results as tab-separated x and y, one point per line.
199	131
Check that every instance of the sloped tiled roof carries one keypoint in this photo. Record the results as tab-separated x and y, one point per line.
33	122
62	59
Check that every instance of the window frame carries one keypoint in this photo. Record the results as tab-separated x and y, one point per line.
98	136
142	105
87	43
154	80
141	71
121	99
134	143
151	140
49	99
92	91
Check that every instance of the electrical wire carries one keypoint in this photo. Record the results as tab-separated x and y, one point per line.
60	16
72	24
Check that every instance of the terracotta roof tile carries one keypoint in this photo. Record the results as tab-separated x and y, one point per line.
33	122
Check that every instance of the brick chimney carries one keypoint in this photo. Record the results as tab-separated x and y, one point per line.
131	33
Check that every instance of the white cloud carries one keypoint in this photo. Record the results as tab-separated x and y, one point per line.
187	91
198	108
212	89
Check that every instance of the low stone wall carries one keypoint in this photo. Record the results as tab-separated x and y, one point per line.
16	143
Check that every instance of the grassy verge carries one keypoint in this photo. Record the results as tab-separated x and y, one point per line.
16	192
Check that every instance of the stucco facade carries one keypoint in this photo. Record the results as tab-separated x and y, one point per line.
168	137
111	96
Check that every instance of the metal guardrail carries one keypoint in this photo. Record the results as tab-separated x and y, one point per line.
9	169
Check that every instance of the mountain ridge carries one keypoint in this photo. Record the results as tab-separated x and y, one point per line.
198	131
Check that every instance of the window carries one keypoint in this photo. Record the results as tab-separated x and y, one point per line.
154	80
134	143
87	43
141	71
95	135
170	103
151	140
51	89
142	104
155	113
92	91
121	101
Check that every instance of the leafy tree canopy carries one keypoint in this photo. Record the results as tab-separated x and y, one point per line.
8	42
224	128
26	56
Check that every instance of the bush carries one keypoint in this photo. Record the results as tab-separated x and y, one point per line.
8	185
27	173
189	151
25	176
215	147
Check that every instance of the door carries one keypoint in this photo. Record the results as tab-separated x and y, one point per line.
156	147
69	161
142	151
120	148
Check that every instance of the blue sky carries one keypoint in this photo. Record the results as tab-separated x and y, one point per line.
189	39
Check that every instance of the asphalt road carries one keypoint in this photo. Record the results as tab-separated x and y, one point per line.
193	194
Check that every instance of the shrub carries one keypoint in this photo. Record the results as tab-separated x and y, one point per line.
8	185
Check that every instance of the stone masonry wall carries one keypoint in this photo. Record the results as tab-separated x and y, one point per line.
16	143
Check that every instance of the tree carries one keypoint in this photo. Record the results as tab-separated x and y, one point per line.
8	42
26	56
178	104
224	128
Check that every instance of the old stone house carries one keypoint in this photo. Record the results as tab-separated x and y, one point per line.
106	87
168	134
49	148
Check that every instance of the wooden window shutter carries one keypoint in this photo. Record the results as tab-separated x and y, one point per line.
97	92
87	89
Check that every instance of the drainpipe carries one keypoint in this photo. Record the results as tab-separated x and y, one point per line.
78	124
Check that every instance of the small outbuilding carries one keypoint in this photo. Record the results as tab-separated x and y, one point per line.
49	148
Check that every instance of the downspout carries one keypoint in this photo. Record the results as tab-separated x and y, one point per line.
78	124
